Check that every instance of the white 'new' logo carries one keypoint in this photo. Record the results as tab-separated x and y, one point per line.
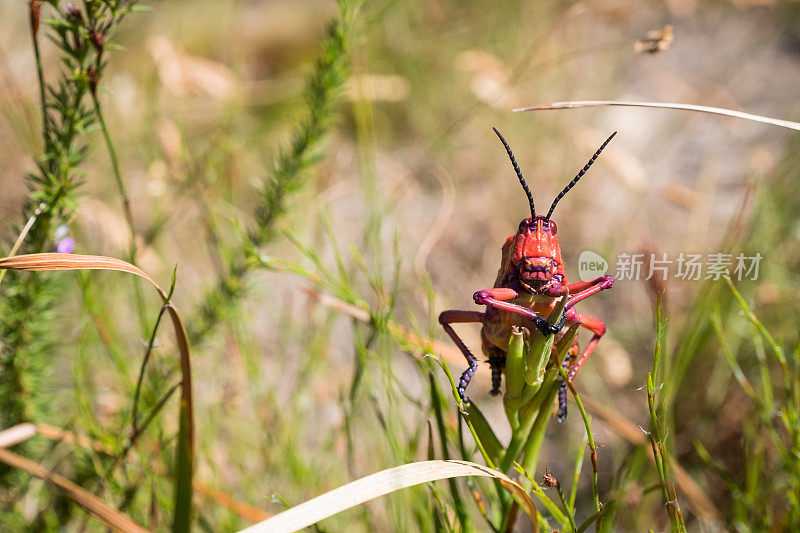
591	265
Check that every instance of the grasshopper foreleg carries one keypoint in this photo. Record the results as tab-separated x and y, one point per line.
581	290
495	298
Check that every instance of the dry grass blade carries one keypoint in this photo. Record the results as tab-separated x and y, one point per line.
53	261
686	107
22	235
185	459
380	484
54	433
109	516
15	435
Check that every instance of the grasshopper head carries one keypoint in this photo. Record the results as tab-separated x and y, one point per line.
536	254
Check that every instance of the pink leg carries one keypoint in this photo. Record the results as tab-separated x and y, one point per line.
462	317
494	298
596	326
583	289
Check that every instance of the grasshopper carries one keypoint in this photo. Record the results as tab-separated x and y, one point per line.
530	281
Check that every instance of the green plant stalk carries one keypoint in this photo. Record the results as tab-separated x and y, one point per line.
537	490
436	400
150	345
595	517
656	439
535	439
523	409
527	419
766	378
590	439
567	509
534	436
123	192
141	307
515	378
577	474
502	494
470	425
716	322
777	350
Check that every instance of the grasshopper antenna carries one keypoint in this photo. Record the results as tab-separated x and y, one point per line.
579	176
519	173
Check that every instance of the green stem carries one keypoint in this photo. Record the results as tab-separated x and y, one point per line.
123	192
590	438
567	509
528	416
535	438
471	427
145	360
436	399
656	437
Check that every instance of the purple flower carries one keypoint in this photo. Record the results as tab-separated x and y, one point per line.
65	245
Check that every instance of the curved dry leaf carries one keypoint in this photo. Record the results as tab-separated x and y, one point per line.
185	458
665	105
380	484
54	261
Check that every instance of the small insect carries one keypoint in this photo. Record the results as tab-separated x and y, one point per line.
530	281
549	480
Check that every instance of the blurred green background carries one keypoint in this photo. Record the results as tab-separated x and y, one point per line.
295	398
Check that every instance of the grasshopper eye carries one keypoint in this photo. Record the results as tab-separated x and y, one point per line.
551	227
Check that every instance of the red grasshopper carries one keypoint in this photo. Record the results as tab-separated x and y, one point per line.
530	280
